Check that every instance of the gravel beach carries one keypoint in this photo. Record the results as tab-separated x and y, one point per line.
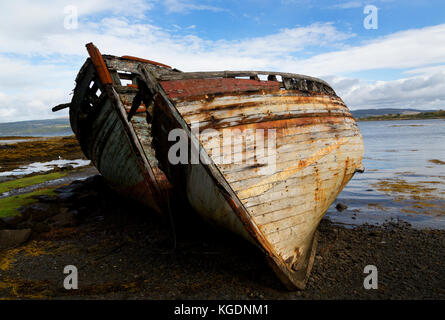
124	251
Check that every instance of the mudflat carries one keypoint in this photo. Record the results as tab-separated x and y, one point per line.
69	216
124	251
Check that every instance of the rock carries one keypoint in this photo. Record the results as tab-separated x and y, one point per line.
46	199
3	224
12	238
341	207
7	146
72	187
40	211
12	221
66	167
64	196
25	225
64	219
95	180
40	227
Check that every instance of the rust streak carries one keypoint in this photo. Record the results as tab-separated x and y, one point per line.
280	123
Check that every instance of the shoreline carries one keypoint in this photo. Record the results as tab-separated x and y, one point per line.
398	119
439	114
124	252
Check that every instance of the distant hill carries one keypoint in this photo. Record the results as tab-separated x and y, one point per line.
36	128
365	113
61	126
406	116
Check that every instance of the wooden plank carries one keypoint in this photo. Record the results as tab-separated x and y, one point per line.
282	167
262	183
145	61
272	121
284	150
61	107
287	134
270	204
99	64
252	115
298	166
288	222
232	74
235	102
277	215
240	185
299	188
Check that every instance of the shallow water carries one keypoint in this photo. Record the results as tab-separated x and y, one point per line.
44	167
400	182
12	141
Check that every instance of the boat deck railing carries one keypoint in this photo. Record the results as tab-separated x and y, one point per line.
126	70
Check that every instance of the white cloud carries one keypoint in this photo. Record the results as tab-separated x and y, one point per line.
184	6
405	49
426	70
348	5
357	4
28	19
28	89
25	83
422	92
33	105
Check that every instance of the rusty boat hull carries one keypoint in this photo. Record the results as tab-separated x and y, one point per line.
317	148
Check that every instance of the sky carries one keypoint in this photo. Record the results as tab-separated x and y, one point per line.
389	56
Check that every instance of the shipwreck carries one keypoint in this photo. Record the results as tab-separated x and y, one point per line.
123	109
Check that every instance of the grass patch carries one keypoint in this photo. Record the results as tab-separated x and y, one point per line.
412	190
376	206
46	149
17	137
29	181
9	206
437	161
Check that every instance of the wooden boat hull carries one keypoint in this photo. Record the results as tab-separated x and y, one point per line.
317	148
120	149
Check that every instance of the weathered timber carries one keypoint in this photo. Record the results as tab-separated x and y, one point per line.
61	107
281	209
231	74
124	108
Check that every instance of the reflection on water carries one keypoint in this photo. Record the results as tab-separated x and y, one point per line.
44	166
404	177
12	141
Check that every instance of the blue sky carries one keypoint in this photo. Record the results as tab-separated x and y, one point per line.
400	64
